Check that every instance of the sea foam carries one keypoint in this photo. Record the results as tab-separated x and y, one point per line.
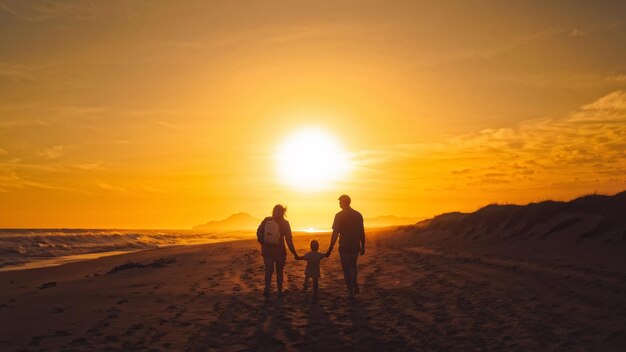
19	246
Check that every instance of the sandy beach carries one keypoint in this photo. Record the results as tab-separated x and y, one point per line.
414	297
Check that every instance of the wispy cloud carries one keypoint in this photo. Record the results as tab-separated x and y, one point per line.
99	165
76	10
53	152
183	44
616	77
10	179
587	145
17	72
612	106
78	110
109	187
577	32
166	124
130	188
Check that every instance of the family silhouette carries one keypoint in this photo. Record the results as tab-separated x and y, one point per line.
274	235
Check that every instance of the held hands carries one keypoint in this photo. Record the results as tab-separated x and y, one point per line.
330	250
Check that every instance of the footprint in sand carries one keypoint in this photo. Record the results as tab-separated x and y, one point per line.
113	313
81	341
57	310
95	330
112	338
35	340
157	336
133	329
62	333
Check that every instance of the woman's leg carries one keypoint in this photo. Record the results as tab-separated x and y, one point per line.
306	282
269	270
280	265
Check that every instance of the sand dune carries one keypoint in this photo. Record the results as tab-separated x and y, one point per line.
208	297
590	230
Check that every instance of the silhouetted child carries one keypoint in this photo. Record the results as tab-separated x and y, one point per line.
312	270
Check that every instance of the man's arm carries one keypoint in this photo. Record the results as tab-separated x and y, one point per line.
333	239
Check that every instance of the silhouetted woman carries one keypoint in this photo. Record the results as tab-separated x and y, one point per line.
272	234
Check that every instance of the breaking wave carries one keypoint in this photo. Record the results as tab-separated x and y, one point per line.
19	246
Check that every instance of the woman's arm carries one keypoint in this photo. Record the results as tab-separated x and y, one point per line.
289	239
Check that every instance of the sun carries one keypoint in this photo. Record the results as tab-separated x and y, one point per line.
310	159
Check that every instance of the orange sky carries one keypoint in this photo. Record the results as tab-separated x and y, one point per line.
160	114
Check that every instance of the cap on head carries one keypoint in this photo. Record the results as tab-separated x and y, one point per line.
344	199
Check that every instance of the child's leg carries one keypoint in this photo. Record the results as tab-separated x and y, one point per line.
315	286
306	282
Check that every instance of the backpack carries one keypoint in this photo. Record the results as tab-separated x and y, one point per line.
271	232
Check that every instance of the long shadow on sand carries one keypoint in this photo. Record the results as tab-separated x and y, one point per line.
367	337
231	326
320	332
273	314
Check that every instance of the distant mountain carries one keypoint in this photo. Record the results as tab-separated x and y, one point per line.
390	220
235	222
596	219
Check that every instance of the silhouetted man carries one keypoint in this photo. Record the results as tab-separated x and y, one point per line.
348	226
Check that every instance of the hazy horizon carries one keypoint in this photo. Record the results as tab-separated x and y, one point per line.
309	229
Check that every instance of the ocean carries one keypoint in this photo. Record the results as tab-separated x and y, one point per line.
27	248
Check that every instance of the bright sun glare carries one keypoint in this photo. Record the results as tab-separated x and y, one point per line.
311	159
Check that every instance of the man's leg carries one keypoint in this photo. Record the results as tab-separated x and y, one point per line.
346	265
280	266
269	270
355	283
